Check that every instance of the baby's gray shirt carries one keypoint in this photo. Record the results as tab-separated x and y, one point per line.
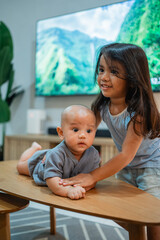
60	162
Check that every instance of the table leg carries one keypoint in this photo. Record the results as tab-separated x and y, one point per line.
137	232
52	220
5	226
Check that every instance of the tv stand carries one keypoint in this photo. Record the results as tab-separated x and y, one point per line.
16	144
99	133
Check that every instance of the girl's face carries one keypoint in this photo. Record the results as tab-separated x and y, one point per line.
111	79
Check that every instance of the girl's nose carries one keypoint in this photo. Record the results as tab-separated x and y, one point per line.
105	76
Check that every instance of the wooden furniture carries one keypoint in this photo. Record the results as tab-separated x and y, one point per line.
111	199
8	204
15	145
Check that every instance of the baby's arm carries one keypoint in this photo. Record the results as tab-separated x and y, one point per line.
72	192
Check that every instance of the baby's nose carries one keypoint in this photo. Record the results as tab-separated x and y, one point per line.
82	135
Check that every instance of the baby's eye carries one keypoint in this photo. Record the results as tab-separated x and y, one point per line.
75	129
89	130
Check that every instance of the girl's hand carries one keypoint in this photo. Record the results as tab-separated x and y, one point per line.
84	180
76	192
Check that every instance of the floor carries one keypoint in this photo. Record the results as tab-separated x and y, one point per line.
77	215
33	223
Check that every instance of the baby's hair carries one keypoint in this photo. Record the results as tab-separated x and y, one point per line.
70	108
139	97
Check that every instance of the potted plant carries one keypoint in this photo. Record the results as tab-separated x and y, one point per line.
7	91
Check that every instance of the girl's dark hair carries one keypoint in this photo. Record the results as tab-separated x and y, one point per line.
139	98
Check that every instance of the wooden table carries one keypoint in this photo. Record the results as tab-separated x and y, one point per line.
8	204
111	199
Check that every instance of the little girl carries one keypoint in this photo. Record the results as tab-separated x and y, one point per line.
126	105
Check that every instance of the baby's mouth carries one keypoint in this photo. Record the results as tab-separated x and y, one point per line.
81	143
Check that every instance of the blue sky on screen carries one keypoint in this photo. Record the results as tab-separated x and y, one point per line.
103	22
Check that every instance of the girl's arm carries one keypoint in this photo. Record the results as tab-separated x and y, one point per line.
65	191
129	148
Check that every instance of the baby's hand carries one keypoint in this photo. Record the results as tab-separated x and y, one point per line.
76	192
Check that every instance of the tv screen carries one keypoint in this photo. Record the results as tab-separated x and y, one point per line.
66	46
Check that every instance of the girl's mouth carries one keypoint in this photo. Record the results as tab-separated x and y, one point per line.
104	86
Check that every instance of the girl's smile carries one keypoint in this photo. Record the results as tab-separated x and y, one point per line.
105	86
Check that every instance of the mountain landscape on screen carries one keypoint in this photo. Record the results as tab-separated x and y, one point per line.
68	62
144	31
67	46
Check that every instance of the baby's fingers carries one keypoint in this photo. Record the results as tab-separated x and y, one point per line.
79	193
83	193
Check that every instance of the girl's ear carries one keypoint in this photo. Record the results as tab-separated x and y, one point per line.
60	133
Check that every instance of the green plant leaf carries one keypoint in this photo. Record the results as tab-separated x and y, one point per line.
5	38
10	81
13	94
5	112
5	60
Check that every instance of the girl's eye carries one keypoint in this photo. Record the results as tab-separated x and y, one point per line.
100	70
75	129
89	130
115	72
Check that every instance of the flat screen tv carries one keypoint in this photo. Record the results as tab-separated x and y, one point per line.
66	46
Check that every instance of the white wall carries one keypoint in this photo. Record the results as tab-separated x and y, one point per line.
21	16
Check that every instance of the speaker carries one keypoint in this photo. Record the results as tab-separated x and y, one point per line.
36	121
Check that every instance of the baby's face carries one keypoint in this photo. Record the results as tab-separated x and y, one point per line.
79	131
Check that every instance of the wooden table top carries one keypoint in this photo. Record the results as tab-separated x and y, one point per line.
10	203
111	199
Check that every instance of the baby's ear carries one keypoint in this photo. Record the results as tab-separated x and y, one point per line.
60	133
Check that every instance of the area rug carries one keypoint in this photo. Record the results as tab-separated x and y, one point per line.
34	224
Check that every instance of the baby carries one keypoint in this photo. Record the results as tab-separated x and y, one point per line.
74	155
